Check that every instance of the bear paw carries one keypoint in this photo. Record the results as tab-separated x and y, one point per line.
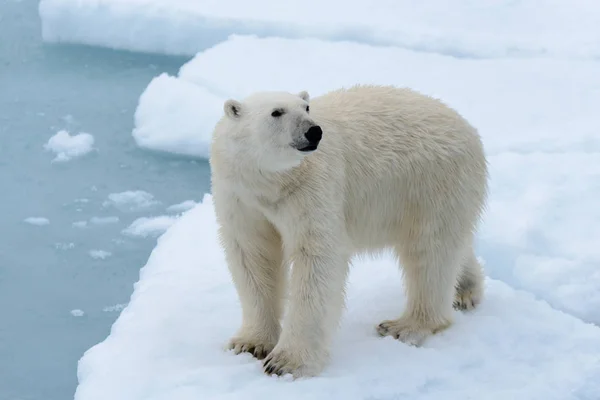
258	348
407	330
286	361
467	299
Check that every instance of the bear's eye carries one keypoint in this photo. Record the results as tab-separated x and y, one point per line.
277	113
307	108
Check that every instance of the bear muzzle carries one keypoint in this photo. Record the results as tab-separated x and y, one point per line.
313	136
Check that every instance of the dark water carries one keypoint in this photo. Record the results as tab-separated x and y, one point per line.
47	271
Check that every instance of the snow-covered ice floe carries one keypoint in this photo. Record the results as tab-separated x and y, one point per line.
168	343
461	28
519	105
538	119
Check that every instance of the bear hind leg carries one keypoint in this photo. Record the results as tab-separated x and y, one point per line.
469	287
430	273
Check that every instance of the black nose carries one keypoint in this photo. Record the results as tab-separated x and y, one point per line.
314	134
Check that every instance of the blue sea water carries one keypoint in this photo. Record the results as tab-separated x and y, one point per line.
47	271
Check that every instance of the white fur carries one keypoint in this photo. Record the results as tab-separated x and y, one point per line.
395	169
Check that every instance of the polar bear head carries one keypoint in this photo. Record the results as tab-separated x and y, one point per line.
273	130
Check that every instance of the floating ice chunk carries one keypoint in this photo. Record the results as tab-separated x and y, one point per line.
182	207
116	307
38	221
149	226
67	147
64	246
99	254
131	200
77	313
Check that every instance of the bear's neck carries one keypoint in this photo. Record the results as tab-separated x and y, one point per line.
271	187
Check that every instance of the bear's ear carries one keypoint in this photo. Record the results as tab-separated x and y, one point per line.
232	108
304	95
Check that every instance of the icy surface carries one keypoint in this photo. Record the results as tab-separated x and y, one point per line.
67	146
184	309
462	28
38	221
541	221
149	226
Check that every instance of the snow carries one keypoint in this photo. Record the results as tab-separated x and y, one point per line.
131	200
543	222
99	254
184	309
461	28
523	109
149	226
67	146
182	207
38	221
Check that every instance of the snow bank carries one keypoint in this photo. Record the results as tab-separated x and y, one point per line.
518	105
67	147
538	119
181	127
184	308
462	28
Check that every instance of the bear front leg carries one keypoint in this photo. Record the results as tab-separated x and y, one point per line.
316	302
254	258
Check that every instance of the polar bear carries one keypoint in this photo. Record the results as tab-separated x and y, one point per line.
310	184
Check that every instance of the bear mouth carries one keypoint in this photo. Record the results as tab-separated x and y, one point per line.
310	147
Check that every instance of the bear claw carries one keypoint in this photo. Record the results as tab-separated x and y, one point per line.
406	331
257	350
466	300
283	362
